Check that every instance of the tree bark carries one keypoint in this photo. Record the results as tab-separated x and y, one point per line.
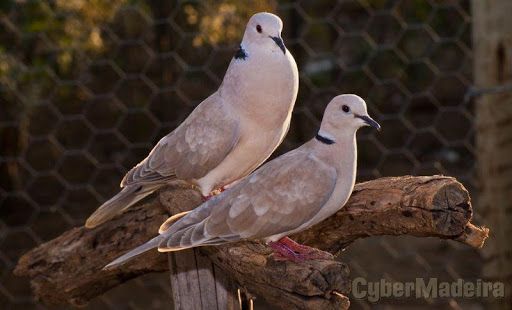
492	42
68	268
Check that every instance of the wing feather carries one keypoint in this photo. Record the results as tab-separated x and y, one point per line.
193	149
279	197
284	196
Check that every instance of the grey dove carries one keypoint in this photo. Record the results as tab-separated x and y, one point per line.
286	195
231	132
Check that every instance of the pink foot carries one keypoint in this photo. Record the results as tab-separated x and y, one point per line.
214	193
287	249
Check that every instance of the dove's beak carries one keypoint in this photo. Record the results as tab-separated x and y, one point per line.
369	121
279	41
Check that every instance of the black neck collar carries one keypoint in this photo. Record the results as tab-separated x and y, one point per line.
240	53
323	139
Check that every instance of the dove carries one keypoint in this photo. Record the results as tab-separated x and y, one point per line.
231	132
286	195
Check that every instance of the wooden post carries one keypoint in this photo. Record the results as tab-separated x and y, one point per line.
492	41
195	281
197	284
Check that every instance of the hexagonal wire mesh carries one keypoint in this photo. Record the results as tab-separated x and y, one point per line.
88	87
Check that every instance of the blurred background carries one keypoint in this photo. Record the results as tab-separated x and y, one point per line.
87	87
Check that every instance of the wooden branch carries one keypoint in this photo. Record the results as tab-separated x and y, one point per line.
68	268
435	206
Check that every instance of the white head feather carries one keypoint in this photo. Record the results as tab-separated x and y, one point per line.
344	115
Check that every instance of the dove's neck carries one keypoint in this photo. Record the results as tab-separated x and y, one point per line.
339	151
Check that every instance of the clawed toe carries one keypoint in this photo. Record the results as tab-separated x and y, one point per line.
214	193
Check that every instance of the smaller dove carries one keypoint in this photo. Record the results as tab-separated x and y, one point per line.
288	194
231	132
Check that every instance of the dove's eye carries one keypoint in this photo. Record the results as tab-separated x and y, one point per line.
258	28
345	108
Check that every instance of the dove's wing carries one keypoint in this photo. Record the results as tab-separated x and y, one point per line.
197	146
280	197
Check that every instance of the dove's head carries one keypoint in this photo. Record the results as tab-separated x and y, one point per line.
344	115
264	31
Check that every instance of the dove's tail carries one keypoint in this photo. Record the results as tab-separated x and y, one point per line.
128	196
151	244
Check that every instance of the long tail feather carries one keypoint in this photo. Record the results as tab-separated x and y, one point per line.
151	244
128	196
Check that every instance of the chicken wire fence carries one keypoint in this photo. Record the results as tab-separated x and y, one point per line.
87	87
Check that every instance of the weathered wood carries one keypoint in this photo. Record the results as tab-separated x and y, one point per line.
197	284
194	283
68	268
420	206
492	47
226	290
185	282
309	285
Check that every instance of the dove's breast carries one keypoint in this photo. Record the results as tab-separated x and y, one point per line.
252	149
262	88
262	95
343	157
